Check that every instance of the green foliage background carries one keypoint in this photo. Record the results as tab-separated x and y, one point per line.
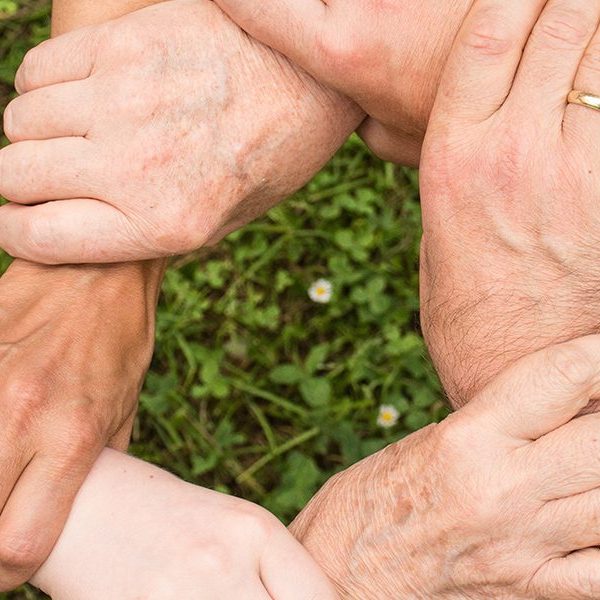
254	389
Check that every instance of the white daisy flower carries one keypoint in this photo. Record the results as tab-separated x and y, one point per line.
388	416
321	291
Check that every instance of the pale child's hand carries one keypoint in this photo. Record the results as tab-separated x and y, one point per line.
137	531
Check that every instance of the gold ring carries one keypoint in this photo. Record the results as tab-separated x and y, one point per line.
584	99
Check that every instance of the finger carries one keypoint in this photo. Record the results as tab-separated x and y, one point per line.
65	58
580	120
288	572
553	54
574	577
54	111
120	441
12	464
69	232
38	171
392	146
35	514
574	470
484	61
542	391
293	27
572	523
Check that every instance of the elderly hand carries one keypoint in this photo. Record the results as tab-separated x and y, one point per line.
75	344
510	191
386	56
501	500
154	134
138	532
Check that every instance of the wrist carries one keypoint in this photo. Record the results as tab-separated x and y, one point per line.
129	279
480	316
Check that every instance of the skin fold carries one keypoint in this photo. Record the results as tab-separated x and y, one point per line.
57	353
26	289
137	532
561	291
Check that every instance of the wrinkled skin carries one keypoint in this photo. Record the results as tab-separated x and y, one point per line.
139	532
142	139
75	345
509	183
386	55
510	218
495	502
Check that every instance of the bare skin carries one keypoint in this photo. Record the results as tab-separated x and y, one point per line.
136	531
510	194
470	508
75	346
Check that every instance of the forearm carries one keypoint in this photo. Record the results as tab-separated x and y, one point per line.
114	516
144	279
483	309
71	14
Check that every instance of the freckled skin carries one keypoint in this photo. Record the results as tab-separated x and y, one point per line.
171	91
461	510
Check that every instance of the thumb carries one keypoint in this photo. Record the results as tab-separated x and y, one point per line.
291	27
289	572
484	60
543	391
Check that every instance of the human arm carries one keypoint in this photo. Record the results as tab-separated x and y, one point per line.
75	344
136	531
171	129
484	505
386	56
509	186
90	331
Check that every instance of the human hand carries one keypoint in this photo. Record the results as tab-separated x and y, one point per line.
138	532
386	56
509	185
155	134
75	344
501	500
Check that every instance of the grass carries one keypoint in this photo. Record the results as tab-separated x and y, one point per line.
254	389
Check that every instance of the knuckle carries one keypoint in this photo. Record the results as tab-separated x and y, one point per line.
489	35
10	122
254	520
20	554
85	435
340	51
570	364
591	59
564	28
26	397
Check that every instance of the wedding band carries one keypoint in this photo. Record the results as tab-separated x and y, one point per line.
584	99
